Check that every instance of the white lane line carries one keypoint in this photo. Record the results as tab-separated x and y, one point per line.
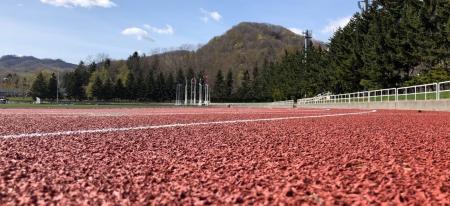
92	114
107	130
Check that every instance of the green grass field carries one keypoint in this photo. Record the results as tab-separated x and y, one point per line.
83	105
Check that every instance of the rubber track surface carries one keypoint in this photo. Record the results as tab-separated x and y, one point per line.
383	157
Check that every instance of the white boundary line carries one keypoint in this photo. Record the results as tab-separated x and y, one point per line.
107	130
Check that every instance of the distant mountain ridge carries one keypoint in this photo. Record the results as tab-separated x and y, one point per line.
14	63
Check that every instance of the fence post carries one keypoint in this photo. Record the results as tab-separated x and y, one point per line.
406	94
381	91
389	96
415	93
438	93
425	92
396	94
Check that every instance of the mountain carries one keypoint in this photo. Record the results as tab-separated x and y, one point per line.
12	63
240	48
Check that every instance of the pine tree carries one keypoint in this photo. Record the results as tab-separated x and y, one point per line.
229	82
39	87
244	90
108	89
130	86
97	89
133	63
140	88
119	90
92	67
219	87
190	74
52	87
150	86
76	81
170	87
180	79
160	87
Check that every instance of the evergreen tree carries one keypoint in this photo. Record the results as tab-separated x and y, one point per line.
52	87
219	87
130	86
108	89
190	74
76	82
150	86
97	89
119	90
92	67
180	79
141	89
39	87
258	85
229	82
170	88
160	92
244	90
133	63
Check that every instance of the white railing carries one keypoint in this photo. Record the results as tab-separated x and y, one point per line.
433	91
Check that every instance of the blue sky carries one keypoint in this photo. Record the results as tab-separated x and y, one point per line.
72	30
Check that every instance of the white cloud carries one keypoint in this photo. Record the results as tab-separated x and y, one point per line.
144	33
296	30
139	33
213	15
80	3
167	30
334	25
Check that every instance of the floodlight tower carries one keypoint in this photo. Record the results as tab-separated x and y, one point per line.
308	41
364	5
308	38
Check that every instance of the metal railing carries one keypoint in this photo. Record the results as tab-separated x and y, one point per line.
433	91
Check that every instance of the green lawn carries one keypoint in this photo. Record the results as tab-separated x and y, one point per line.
84	105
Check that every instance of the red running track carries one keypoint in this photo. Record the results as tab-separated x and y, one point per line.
289	156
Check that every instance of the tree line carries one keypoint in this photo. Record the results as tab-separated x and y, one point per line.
393	43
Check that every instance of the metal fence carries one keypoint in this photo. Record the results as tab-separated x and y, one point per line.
433	91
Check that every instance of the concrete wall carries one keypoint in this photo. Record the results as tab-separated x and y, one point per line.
432	105
248	105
